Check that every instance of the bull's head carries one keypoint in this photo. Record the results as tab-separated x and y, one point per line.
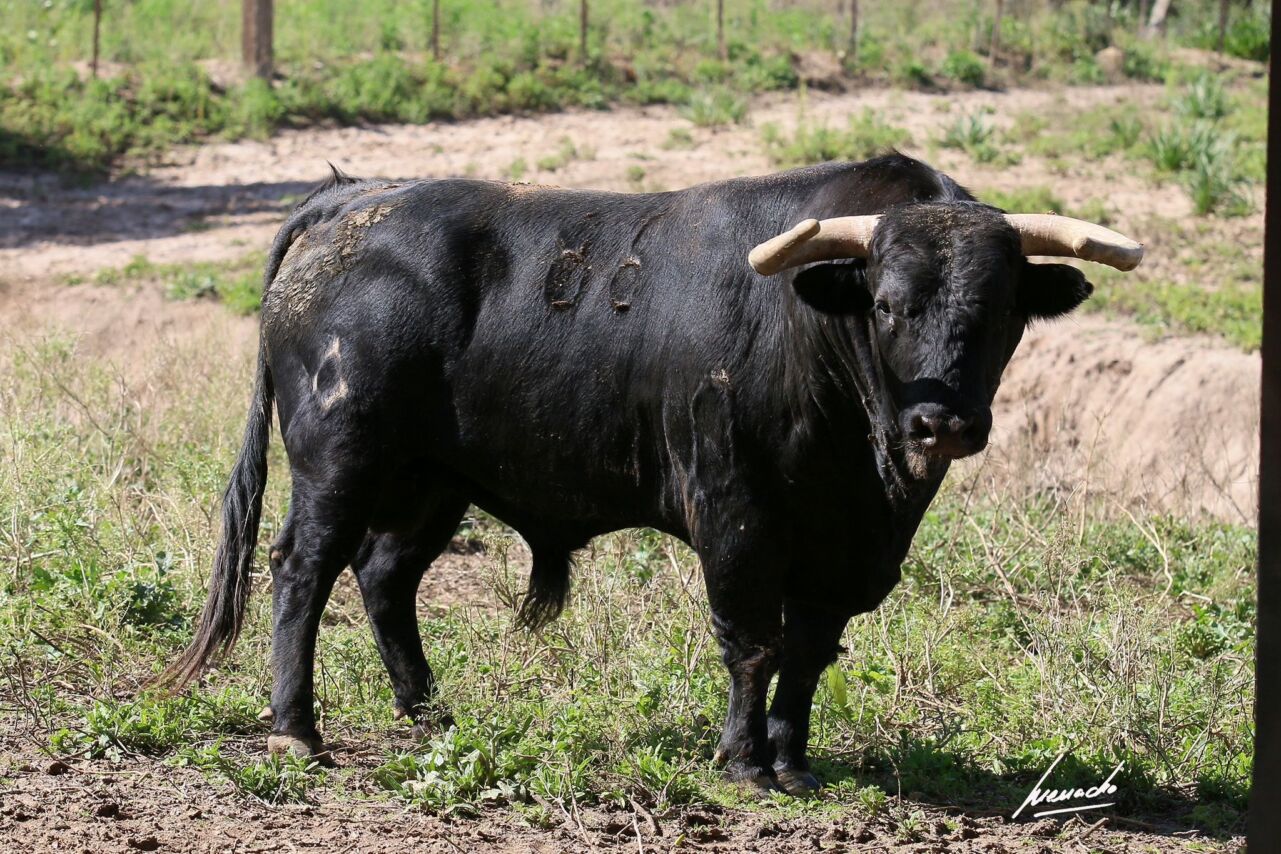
950	291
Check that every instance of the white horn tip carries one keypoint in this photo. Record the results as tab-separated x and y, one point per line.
1123	256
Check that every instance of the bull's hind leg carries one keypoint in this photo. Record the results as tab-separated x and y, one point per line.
389	569
810	643
327	521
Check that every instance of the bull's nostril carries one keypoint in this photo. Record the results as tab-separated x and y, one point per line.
925	429
922	427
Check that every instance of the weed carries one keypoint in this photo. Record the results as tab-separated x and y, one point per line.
1203	98
461	769
679	139
566	153
1232	309
517	169
972	134
273	779
912	72
1214	187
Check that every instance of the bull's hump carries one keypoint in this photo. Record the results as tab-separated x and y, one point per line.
323	250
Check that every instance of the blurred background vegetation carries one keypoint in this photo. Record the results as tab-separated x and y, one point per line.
169	70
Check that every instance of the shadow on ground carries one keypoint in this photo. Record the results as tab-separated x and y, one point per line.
41	207
921	775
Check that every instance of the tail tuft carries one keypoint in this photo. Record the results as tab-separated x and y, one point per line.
224	611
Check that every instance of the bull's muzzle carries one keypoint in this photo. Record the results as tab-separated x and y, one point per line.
938	431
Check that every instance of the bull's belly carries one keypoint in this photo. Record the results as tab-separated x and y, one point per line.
554	478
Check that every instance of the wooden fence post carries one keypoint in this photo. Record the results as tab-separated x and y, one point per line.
720	30
255	36
97	31
435	30
852	53
1223	24
996	32
582	32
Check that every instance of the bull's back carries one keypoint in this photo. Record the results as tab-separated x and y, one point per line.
529	341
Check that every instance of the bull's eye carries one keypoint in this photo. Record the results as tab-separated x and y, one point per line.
882	306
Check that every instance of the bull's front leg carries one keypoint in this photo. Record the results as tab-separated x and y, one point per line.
811	638
746	606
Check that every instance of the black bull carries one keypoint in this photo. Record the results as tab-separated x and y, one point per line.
580	362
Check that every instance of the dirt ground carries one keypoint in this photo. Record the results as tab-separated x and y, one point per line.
1169	425
103	807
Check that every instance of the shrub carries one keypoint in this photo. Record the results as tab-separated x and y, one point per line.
1249	33
964	67
912	72
1142	62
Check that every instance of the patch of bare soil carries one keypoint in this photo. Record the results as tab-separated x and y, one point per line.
120	324
139	804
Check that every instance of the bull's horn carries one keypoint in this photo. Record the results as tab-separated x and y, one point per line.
811	240
1039	234
1048	234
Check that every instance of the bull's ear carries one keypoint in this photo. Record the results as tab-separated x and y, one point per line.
839	288
1052	290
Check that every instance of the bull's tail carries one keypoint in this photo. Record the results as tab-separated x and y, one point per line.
224	612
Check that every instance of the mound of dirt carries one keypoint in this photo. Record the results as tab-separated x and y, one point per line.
1173	424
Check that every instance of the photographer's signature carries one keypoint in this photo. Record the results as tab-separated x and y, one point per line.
1039	796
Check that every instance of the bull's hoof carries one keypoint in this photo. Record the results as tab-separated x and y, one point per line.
753	782
757	785
267	715
429	719
281	744
797	783
426	727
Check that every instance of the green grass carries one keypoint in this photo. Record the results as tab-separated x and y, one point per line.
1038	199
1214	146
1021	629
716	108
236	283
1232	310
866	135
567	151
973	134
347	62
